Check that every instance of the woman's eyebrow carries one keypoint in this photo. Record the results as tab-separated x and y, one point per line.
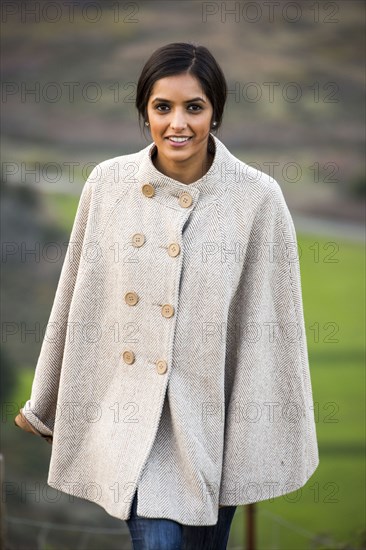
188	101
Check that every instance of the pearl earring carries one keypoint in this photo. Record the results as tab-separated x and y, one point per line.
146	123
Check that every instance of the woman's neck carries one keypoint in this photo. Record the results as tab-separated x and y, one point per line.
182	173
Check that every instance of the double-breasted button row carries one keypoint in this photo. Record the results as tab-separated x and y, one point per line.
138	239
129	358
131	298
185	199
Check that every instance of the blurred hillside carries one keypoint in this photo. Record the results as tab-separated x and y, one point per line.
296	93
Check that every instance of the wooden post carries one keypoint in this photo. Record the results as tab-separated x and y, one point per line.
2	504
251	542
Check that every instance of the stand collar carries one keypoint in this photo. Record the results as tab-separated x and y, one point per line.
203	191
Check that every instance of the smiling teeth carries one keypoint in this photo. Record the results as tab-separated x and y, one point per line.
178	139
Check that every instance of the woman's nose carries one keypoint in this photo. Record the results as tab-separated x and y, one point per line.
178	121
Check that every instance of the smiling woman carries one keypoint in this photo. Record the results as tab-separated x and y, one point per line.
180	127
181	95
173	381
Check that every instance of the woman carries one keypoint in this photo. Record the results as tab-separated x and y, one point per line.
193	286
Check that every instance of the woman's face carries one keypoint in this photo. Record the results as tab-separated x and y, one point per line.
181	110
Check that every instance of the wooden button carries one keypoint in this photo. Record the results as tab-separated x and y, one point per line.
138	239
161	366
131	298
185	199
128	357
173	249
167	310
148	190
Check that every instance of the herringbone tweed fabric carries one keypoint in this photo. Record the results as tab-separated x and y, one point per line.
231	419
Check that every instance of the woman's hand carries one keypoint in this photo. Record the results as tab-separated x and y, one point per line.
21	421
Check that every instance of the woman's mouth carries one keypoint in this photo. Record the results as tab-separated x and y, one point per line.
179	142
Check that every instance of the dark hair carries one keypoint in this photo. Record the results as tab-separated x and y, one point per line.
177	58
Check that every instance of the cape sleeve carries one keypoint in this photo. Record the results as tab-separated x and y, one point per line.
270	435
38	414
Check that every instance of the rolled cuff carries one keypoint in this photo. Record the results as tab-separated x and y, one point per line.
36	423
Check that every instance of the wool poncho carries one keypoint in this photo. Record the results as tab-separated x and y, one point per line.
175	358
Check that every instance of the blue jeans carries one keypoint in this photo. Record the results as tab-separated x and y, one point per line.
167	534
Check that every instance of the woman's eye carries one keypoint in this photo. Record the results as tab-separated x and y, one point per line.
194	105
162	105
199	108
